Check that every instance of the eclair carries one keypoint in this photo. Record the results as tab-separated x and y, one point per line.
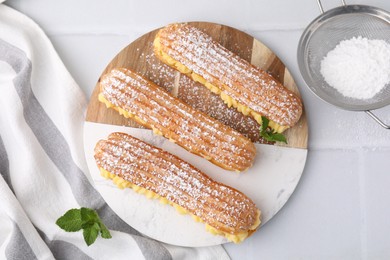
151	106
132	163
251	90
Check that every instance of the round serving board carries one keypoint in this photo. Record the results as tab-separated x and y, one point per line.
269	183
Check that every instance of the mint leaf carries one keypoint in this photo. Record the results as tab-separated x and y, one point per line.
269	134
89	215
264	125
277	137
91	233
86	219
104	231
70	221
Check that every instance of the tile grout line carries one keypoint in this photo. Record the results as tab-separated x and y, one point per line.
362	202
357	149
97	32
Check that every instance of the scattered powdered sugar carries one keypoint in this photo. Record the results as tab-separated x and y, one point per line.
358	68
159	73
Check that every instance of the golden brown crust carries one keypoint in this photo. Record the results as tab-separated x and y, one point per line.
220	206
251	87
195	131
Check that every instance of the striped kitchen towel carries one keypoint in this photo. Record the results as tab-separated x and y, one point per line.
42	165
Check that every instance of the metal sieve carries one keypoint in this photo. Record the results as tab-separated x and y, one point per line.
324	33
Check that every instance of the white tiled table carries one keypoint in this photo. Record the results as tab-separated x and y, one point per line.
341	207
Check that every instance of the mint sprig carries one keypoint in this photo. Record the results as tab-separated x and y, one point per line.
84	218
269	134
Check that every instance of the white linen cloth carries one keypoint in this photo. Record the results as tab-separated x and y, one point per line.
43	172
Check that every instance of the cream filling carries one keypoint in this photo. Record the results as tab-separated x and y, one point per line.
128	115
227	99
121	183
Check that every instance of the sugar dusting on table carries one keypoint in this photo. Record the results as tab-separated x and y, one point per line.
358	68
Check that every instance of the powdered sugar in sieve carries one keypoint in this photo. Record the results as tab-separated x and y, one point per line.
358	68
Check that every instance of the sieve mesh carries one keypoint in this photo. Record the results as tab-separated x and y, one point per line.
322	36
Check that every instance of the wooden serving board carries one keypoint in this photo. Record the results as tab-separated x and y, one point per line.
269	182
139	57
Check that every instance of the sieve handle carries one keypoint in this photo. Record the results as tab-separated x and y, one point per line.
322	9
377	119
